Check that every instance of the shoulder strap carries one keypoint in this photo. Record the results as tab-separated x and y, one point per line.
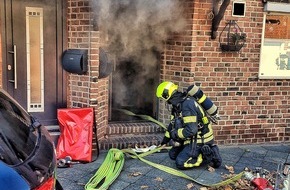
204	113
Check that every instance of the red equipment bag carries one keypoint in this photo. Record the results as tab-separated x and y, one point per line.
76	133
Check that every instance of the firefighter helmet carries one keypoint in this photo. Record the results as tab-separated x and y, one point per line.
165	90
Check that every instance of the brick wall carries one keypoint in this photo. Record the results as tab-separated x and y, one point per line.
78	38
179	57
87	90
252	110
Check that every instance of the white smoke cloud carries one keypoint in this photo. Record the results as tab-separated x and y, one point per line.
136	30
137	25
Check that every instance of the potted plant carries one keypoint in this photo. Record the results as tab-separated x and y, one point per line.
233	39
238	38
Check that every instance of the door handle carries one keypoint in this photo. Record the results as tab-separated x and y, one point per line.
14	52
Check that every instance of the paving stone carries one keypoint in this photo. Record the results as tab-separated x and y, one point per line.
250	161
144	183
254	149
138	168
130	177
232	156
119	185
270	166
159	173
210	177
176	183
274	156
278	148
266	156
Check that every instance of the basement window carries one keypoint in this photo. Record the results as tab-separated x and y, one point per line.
275	49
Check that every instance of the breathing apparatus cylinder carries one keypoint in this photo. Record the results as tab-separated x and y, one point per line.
201	98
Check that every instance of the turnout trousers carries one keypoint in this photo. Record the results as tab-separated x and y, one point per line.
186	156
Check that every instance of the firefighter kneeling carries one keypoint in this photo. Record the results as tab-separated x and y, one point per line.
190	131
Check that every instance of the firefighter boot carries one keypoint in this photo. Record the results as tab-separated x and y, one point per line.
216	159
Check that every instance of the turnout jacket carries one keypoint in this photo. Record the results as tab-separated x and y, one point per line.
188	121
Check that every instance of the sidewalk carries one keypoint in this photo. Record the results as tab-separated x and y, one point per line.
138	175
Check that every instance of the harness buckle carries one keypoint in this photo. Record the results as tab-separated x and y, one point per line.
200	125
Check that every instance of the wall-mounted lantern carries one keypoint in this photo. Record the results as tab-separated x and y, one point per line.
232	38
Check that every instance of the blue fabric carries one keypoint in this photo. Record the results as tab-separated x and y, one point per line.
10	179
182	154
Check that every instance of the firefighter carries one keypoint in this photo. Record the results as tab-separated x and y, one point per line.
189	132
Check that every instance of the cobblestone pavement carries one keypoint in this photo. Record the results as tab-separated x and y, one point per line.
251	156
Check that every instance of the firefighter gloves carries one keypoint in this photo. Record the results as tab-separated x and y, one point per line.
206	150
165	140
173	135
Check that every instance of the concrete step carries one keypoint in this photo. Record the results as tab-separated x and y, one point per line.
54	132
122	135
130	141
133	128
129	134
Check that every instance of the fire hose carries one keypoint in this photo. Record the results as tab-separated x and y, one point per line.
145	117
108	171
114	162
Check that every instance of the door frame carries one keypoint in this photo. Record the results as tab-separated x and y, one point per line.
61	45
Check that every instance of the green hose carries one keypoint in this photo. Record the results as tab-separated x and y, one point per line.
108	171
175	172
114	162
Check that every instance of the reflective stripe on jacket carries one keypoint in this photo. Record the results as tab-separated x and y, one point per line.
192	115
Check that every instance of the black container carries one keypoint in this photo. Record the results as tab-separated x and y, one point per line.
75	61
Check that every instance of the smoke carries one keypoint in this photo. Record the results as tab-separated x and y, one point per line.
137	31
137	25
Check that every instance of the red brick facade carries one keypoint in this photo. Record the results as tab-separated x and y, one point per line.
86	90
252	110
